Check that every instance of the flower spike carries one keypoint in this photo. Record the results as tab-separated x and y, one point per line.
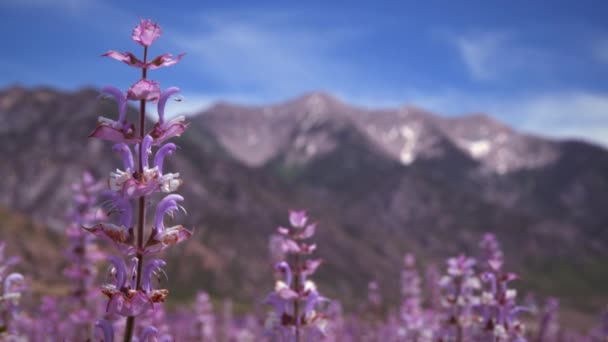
130	290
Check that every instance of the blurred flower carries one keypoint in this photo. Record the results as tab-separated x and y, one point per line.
295	298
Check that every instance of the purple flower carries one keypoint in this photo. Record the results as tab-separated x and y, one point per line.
117	131
122	233
127	156
148	333
169	129
124	299
297	218
146	32
107	332
144	90
166	149
163	101
130	291
106	329
164	130
162	237
131	184
295	298
153	267
491	252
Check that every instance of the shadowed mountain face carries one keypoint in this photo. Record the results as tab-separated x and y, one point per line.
379	182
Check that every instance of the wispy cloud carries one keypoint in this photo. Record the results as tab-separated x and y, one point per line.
265	55
568	114
600	50
495	55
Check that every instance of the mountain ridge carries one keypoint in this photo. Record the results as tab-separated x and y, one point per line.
374	195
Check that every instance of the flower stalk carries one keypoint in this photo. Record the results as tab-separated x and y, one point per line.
130	288
295	299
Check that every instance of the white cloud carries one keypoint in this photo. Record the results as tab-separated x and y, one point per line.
267	56
480	53
569	114
495	55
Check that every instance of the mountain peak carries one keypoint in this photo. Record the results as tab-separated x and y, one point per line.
315	102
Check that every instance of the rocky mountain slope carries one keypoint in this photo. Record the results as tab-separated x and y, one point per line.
380	182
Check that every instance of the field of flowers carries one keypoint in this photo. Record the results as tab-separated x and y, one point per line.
469	298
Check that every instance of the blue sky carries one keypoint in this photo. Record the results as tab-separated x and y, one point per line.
541	66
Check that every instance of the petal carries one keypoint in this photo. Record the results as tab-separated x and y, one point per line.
166	206
287	294
120	268
163	100
106	329
126	154
310	266
121	101
164	60
118	135
283	267
146	150
144	90
170	182
173	236
125	57
290	246
308	232
117	234
151	267
133	304
146	32
148	332
168	130
297	218
159	158
13	283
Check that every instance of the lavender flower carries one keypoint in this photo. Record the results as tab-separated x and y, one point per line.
83	255
13	284
105	333
411	311
130	288
460	286
498	308
295	298
204	329
548	327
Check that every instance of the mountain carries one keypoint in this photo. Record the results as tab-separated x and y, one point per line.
380	183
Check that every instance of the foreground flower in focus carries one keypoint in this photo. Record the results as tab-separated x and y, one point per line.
130	289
